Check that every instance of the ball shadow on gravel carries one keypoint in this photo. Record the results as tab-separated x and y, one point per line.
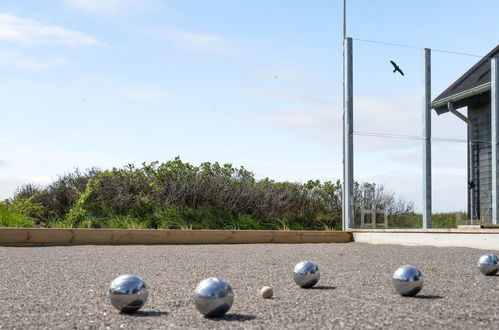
430	297
322	287
234	317
146	314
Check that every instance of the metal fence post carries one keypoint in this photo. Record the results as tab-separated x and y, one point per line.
494	114
348	220
427	139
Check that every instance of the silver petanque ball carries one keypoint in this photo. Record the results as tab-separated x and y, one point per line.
306	274
407	280
128	293
488	264
213	297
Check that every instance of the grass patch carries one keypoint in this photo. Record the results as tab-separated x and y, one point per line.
15	220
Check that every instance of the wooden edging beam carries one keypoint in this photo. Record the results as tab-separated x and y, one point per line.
56	236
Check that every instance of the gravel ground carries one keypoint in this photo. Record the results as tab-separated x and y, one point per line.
64	287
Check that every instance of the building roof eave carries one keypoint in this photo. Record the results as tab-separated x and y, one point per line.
441	105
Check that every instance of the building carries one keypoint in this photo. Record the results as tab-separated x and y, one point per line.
473	90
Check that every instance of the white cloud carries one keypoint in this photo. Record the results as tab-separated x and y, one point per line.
291	96
108	7
9	185
29	32
197	42
315	122
392	115
42	65
38	180
395	162
97	79
291	73
23	62
292	165
147	93
378	115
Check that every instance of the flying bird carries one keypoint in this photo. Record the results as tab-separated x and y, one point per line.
396	68
276	77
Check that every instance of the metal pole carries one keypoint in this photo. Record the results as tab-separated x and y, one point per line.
427	139
344	20
471	175
373	216
348	221
494	116
471	170
343	222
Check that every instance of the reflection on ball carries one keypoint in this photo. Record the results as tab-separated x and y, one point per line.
128	293
488	264
306	274
213	297
407	280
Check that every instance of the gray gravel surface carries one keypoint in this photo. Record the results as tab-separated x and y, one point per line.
64	287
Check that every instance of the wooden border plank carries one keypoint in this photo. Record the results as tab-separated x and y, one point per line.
54	236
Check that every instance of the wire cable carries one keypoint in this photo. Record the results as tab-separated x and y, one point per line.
415	137
387	43
417	47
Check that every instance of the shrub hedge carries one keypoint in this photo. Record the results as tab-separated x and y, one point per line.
178	195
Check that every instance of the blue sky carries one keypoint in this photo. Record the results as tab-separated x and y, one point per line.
255	83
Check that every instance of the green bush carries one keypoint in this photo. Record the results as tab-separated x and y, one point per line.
126	222
168	218
12	219
447	220
179	195
28	207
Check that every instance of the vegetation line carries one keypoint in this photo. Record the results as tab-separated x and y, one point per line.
178	195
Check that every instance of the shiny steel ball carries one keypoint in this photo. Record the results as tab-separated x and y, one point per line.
128	293
306	274
488	264
407	280
213	297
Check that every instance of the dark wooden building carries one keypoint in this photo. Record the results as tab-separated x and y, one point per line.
473	90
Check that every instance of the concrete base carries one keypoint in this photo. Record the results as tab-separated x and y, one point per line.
484	239
469	227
